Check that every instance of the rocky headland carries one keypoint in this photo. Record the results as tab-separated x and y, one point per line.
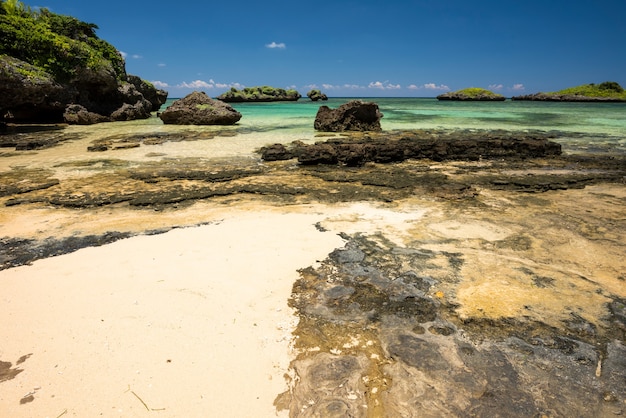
472	94
606	92
259	94
55	69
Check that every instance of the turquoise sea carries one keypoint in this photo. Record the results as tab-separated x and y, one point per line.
591	126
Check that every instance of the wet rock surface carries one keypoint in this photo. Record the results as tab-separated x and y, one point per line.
384	319
432	145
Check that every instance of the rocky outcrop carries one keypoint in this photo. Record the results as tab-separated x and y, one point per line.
198	108
352	116
436	146
472	94
156	97
555	97
259	94
31	95
27	93
54	69
316	95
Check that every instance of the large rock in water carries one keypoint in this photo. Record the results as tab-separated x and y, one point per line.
198	108
352	116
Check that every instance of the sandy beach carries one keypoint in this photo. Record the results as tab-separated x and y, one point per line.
193	322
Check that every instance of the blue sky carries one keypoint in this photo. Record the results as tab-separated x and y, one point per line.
363	48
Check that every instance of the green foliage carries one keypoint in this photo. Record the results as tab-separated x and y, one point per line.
607	89
612	86
68	26
16	8
477	91
259	93
60	45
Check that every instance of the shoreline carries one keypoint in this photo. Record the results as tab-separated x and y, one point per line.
190	321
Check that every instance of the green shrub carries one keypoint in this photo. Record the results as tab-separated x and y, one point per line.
60	45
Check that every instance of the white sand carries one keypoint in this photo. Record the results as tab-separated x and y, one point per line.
190	323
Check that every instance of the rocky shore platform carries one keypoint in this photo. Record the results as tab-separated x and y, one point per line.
488	282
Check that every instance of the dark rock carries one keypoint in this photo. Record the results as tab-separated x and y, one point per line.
465	146
198	108
76	114
352	116
276	152
28	93
418	353
316	95
156	97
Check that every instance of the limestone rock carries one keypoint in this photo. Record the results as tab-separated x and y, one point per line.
155	96
198	108
316	95
27	92
352	116
259	94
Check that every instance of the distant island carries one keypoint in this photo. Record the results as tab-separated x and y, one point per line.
259	94
316	95
472	94
609	91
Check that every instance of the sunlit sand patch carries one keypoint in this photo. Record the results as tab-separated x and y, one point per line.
470	230
371	218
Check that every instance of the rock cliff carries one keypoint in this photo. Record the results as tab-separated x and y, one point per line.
53	69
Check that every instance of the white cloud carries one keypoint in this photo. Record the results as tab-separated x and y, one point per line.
274	45
197	84
124	54
160	84
413	87
518	87
161	65
227	86
344	86
385	85
136	56
433	86
496	86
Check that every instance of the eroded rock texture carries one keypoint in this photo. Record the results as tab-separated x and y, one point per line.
381	334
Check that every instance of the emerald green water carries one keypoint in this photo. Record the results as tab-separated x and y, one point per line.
580	125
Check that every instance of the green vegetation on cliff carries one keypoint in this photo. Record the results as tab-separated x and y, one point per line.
472	93
60	45
608	89
259	94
